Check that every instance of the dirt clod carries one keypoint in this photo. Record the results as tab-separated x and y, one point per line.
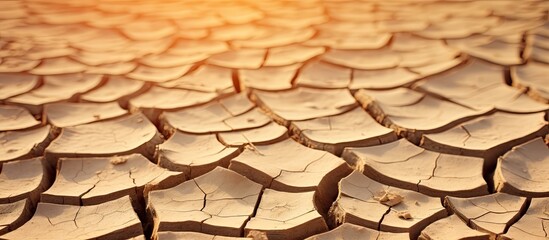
118	160
388	198
404	215
257	235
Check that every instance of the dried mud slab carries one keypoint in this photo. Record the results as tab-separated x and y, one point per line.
130	134
305	20
304	103
70	114
542	30
533	225
498	52
151	47
219	202
347	231
236	32
276	37
455	27
291	167
120	68
187	47
489	136
268	134
23	179
404	165
17	65
365	202
16	118
408	42
111	220
268	78
148	30
116	88
239	59
66	17
318	74
427	56
382	79
102	58
168	60
363	59
358	41
493	213
158	99
89	181
206	78
158	75
291	54
532	76
25	143
355	128
193	236
524	170
479	85
392	97
13	84
416	113
452	228
14	215
471	41
61	65
56	88
283	215
539	54
194	155
224	115
436	68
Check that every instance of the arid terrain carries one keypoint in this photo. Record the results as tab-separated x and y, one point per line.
274	119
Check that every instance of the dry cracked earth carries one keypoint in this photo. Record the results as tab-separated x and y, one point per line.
143	119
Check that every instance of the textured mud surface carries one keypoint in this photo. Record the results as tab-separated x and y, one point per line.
316	119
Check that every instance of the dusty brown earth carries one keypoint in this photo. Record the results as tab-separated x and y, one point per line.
274	119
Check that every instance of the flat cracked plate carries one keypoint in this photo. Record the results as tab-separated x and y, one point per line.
243	119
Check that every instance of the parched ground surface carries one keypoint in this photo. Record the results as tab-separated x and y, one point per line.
274	119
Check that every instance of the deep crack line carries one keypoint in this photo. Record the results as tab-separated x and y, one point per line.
383	217
543	227
76	216
467	137
205	195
